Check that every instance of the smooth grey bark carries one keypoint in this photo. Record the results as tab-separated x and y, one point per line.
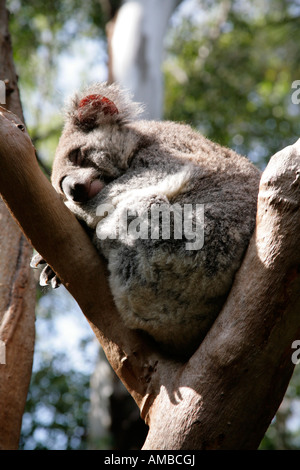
136	50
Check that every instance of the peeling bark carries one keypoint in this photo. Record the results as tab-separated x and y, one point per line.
17	287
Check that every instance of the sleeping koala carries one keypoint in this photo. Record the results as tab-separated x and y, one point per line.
171	211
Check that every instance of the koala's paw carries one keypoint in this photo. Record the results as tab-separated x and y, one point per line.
47	276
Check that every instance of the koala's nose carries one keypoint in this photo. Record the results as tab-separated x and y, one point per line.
74	190
80	191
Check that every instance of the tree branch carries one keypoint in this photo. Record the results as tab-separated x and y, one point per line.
225	396
17	285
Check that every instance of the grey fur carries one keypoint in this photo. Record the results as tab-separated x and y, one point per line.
159	286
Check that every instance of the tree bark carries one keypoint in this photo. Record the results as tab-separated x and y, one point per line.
225	396
17	287
136	53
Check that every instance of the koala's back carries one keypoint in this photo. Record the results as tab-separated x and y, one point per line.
159	285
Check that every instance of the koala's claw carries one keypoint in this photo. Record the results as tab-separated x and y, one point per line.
47	275
37	260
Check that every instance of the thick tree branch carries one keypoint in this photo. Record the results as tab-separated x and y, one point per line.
225	396
17	285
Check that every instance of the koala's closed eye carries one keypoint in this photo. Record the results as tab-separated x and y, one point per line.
76	157
80	157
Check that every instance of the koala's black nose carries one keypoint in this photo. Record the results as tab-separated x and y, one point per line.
74	190
81	191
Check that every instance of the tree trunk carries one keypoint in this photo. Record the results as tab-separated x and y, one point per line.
17	287
136	52
226	394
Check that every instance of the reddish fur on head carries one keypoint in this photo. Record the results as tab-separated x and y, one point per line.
97	103
101	104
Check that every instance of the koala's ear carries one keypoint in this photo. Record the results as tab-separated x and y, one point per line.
94	107
102	104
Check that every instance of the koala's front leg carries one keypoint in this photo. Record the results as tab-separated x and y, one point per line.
47	276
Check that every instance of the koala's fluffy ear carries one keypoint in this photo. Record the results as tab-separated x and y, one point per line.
100	104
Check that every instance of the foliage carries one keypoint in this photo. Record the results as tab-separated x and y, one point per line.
56	414
43	30
44	34
284	432
230	75
56	409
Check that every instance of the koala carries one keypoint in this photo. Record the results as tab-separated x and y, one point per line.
170	211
